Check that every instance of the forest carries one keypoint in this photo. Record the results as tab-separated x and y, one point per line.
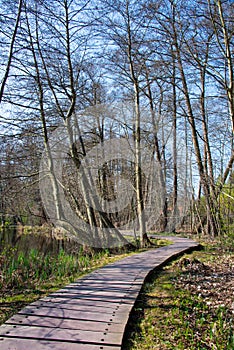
116	116
116	140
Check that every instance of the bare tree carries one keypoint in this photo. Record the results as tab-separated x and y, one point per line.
11	50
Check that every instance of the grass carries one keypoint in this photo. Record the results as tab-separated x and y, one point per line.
20	270
25	277
28	276
181	307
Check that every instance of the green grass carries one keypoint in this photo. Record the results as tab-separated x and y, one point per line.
20	270
27	277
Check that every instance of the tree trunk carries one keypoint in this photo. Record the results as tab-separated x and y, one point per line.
203	177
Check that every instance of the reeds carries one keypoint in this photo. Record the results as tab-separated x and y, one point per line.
19	270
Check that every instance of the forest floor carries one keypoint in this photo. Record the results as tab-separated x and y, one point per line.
187	305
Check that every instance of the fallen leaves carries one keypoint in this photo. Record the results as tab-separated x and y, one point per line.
212	281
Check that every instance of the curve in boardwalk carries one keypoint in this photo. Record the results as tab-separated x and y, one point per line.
91	313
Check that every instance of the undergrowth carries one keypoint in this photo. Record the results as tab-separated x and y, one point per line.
20	270
26	277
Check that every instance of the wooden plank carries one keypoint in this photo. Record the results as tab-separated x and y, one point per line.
28	320
79	302
98	287
94	298
104	308
64	298
107	282
91	291
74	314
61	334
37	344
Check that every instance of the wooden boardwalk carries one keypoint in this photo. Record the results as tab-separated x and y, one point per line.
90	314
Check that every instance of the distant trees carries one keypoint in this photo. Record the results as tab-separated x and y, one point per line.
171	60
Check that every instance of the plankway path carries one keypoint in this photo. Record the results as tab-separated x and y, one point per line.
91	313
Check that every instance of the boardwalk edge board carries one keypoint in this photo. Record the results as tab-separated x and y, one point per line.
91	313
